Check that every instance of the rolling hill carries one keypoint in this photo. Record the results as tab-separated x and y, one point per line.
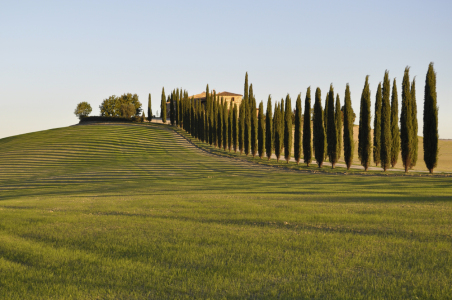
136	212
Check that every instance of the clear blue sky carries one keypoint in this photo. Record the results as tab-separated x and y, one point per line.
55	54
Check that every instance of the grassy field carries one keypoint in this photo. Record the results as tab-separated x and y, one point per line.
133	212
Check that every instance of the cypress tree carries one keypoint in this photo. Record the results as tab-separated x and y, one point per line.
395	144
225	125
235	128
203	124
220	123
430	130
415	125
349	144
377	126
332	129
261	131
179	111
318	130
230	125
173	96
208	114
241	124
176	113
325	124
406	122
254	123
307	149
245	145
245	96
206	125
247	139
269	128
192	117
275	126
214	121
149	108
338	118
364	137
298	130
288	129
163	106
282	122
278	133
385	140
188	115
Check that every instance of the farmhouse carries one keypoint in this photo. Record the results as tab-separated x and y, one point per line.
227	97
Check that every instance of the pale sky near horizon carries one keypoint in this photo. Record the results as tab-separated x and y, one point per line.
55	54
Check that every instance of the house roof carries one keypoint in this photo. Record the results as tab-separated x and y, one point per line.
228	94
203	95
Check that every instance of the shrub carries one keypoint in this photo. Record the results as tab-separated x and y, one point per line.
83	110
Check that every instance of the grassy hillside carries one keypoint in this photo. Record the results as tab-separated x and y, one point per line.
116	211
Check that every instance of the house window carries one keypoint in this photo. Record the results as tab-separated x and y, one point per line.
232	99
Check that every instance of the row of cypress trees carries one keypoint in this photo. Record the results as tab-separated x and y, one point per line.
242	129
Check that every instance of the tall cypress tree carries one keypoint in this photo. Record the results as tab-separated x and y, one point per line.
386	139
214	122
331	129
225	125
176	103
172	99
247	139
338	118
241	124
395	136
307	149
269	129
179	109
208	125
230	125
188	116
415	125
298	130
377	126
235	128
192	118
220	123
282	124
325	124
349	144
364	137
318	130
163	106
149	108
245	96
288	129
430	130
406	122
278	132
254	124
261	131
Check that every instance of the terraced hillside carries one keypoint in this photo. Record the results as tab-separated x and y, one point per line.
124	211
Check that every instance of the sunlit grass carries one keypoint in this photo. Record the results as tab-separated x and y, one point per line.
137	212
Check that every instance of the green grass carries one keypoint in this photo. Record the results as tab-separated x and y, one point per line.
130	212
